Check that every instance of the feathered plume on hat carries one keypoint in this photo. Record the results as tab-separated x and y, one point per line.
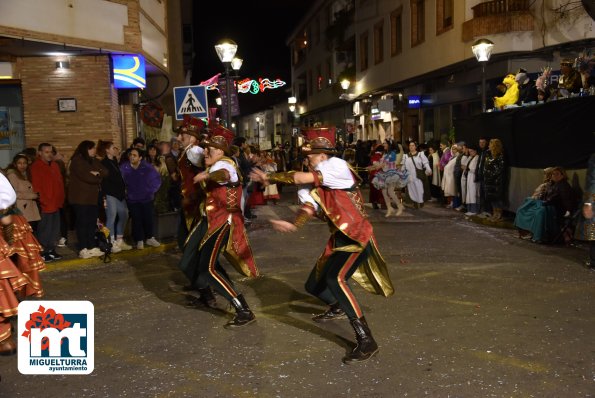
192	126
220	138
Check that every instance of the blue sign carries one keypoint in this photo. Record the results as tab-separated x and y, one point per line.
129	71
414	101
191	101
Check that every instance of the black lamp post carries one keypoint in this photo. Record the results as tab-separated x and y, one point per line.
226	50
482	49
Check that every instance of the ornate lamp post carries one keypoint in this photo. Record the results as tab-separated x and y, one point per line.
226	50
482	49
258	130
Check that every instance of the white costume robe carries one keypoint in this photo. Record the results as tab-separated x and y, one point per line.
415	186
449	185
472	193
464	163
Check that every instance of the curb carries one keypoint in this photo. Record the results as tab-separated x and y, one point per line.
69	264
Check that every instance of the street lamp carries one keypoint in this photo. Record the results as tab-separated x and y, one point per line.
258	130
292	101
345	83
482	49
226	50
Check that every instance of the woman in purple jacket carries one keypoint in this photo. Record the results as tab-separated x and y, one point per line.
142	182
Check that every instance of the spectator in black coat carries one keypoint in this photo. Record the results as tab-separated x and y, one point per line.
527	88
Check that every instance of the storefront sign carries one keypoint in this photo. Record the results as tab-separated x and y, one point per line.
129	71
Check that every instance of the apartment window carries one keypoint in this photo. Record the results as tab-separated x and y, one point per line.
363	51
299	48
444	15
329	72
379	42
418	25
319	78
396	31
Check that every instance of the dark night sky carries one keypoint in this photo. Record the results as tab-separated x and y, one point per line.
260	29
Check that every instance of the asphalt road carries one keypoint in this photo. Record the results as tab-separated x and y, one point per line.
477	313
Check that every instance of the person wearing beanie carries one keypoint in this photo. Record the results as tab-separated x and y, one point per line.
527	88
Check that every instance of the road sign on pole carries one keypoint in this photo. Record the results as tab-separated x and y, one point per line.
191	100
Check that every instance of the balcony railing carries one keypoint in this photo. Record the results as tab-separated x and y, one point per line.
499	16
496	7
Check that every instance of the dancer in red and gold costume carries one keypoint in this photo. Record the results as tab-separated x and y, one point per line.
20	280
351	251
190	163
192	229
225	225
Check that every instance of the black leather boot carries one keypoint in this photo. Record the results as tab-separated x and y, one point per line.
8	346
207	298
333	312
244	316
366	346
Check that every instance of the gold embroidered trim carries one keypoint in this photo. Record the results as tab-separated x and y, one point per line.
286	177
219	176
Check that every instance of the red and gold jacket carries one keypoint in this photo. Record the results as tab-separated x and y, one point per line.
192	194
344	212
223	209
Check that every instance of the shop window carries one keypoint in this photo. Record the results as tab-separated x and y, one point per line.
12	138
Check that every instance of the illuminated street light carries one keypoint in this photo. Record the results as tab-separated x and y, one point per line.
226	50
292	101
258	130
482	49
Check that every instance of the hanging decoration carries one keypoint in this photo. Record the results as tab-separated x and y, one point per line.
246	85
152	114
254	87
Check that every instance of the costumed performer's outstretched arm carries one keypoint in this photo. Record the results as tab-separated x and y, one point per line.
309	206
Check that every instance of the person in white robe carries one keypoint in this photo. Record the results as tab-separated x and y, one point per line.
448	185
412	162
472	191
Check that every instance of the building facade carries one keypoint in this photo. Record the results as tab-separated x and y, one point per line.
56	72
410	64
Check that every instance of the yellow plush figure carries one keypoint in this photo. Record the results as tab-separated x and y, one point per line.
512	93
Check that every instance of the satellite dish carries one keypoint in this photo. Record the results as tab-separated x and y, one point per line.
589	6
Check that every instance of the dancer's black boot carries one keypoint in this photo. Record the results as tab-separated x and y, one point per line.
366	346
207	298
333	312
244	316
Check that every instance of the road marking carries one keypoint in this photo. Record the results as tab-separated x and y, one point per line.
510	361
441	299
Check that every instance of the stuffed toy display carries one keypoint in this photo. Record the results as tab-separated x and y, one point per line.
512	93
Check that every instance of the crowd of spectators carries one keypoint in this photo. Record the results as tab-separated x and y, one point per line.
98	187
102	186
467	177
577	78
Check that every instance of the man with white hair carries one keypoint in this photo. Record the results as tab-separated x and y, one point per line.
527	88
